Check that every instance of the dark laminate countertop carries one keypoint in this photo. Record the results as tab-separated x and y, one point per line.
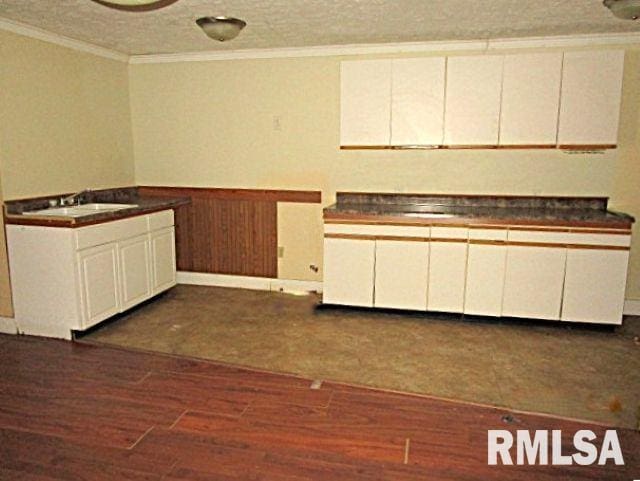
14	210
494	210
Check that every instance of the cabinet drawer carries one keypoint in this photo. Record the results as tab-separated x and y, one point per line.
99	234
438	232
578	238
378	230
488	234
160	220
622	239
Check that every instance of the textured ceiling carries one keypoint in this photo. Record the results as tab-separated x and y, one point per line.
301	23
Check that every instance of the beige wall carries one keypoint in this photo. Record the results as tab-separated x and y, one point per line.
65	121
625	193
65	124
6	304
214	124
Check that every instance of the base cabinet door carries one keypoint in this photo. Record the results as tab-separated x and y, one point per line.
163	259
595	285
98	269
401	274
485	279
135	275
348	272
533	282
447	269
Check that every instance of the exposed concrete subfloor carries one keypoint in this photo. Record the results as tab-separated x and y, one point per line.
575	371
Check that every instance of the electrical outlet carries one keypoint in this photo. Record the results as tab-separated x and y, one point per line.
277	123
280	252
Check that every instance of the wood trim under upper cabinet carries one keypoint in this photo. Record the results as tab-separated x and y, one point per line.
526	146
587	146
265	195
469	147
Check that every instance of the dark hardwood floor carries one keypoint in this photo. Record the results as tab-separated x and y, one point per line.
80	412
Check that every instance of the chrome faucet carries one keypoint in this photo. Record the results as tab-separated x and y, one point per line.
70	199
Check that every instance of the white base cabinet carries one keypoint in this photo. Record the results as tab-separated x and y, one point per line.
401	274
135	267
553	273
67	279
594	285
98	281
533	282
485	280
447	269
485	272
349	272
163	259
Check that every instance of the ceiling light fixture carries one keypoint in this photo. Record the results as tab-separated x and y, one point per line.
221	28
625	9
135	5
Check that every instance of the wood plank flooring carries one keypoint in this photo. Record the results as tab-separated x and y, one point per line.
78	412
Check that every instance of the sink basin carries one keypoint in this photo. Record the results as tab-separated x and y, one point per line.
59	212
105	206
429	215
80	210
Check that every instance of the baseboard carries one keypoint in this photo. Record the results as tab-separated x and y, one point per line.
8	325
247	282
632	307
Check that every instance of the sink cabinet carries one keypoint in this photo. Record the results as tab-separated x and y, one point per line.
135	270
163	259
67	279
98	272
555	273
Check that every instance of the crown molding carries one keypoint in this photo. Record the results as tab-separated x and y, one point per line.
39	34
567	41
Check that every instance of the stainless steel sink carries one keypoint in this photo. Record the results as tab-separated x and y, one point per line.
80	210
102	207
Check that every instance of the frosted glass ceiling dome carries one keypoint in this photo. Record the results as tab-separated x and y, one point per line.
135	5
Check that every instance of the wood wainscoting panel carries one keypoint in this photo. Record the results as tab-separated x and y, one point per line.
229	231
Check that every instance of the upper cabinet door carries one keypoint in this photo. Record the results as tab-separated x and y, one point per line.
530	99
417	101
590	99
472	105
365	101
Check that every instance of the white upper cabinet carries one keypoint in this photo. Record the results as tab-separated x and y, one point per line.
365	100
530	99
472	104
591	92
417	101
